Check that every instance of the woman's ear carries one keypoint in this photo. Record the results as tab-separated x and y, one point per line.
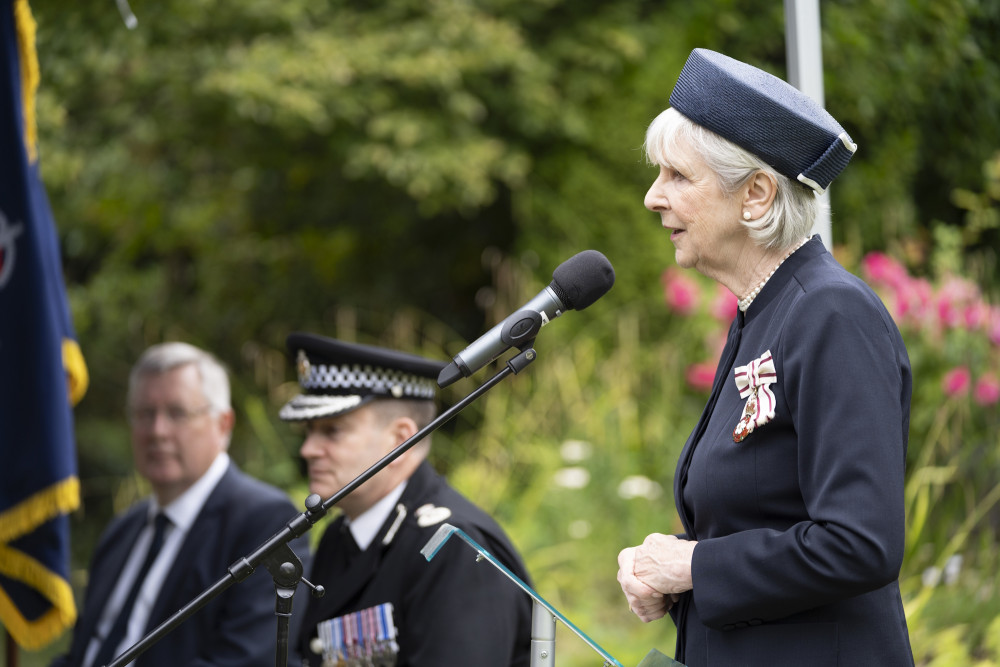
760	192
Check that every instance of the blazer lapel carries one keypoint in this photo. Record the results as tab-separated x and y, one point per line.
103	580
721	377
204	531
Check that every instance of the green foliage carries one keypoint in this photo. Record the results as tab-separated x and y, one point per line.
915	84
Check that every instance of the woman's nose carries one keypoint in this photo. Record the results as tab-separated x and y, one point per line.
656	199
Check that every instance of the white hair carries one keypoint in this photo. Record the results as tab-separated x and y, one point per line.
164	357
792	213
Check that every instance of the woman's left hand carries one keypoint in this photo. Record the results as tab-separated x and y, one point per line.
646	603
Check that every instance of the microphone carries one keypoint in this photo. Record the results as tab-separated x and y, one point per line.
576	283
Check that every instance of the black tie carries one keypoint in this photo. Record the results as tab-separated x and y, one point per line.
117	631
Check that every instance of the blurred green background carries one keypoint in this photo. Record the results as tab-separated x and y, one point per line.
408	172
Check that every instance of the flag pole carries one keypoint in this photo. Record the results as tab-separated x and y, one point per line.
804	56
12	653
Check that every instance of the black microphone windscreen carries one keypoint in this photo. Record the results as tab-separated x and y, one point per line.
583	279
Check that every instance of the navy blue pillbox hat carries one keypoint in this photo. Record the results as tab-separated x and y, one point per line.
337	377
764	115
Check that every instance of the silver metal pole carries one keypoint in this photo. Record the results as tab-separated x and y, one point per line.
543	637
804	56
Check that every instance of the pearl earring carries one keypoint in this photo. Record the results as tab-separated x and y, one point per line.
746	215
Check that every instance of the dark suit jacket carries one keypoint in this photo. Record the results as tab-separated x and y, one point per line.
450	611
800	525
237	628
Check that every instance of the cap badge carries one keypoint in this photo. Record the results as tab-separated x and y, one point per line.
302	365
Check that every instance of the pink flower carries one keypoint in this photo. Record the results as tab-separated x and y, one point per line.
881	269
987	390
976	315
914	298
724	305
679	291
954	298
993	325
956	381
701	375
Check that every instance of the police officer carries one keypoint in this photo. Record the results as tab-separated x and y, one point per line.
384	602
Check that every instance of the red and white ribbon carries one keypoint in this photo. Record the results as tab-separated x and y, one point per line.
753	381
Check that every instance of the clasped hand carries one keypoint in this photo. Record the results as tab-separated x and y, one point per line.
653	574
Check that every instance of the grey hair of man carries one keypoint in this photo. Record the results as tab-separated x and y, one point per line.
795	208
164	357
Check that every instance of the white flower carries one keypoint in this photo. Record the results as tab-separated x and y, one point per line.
579	529
952	567
934	576
575	451
638	486
572	478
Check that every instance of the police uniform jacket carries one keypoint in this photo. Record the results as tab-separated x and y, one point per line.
800	523
237	628
448	611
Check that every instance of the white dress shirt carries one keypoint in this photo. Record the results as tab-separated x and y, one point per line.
366	525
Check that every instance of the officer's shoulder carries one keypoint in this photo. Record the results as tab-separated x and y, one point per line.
453	508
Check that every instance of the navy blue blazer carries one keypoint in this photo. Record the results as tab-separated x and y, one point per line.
800	524
450	611
237	628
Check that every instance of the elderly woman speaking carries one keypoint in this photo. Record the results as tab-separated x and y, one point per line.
790	487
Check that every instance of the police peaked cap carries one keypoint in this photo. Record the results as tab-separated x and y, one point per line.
766	116
337	377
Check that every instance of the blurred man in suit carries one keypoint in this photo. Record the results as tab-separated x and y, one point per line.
203	515
383	598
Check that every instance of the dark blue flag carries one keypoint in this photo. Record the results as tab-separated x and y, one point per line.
41	369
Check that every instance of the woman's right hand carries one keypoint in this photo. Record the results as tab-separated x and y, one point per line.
645	602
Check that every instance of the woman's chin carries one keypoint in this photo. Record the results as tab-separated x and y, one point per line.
683	259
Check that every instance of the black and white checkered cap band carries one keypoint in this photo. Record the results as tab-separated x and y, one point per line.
348	379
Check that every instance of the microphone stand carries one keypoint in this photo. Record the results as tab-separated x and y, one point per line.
279	559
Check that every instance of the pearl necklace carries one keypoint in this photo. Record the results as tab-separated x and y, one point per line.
745	302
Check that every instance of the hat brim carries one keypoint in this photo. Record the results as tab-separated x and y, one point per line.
306	407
